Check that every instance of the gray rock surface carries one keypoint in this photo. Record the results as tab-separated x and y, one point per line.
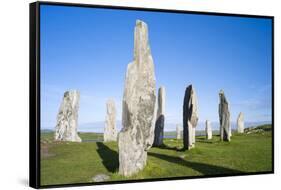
100	178
240	123
208	130
139	106
224	116
190	117
178	132
110	131
160	119
67	118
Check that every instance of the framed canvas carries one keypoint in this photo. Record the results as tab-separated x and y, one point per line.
122	94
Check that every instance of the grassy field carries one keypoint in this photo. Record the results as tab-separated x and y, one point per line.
66	163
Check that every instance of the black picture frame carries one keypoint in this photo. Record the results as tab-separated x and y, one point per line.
34	91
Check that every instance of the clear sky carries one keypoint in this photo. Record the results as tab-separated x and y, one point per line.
89	49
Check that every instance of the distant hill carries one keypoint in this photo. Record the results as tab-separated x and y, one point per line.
46	131
258	129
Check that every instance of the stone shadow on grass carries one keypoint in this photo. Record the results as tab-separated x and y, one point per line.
203	139
109	157
206	141
205	169
163	146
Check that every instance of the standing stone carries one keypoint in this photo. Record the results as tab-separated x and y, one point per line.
67	118
208	130
110	131
139	106
178	132
224	116
240	123
190	117
160	119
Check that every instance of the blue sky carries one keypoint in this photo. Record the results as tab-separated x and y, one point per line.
89	49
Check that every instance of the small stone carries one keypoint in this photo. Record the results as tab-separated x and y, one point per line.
208	130
240	123
100	178
67	118
110	131
182	156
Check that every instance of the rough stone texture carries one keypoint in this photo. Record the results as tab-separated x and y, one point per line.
178	132
110	131
240	123
160	119
190	117
100	178
139	106
208	130
67	118
224	116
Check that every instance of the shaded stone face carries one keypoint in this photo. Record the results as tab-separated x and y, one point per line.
208	130
224	115
160	119
67	118
190	117
240	123
110	131
139	106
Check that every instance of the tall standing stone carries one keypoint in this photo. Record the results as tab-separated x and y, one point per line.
139	106
208	130
67	118
240	123
178	132
110	131
160	119
224	116
190	117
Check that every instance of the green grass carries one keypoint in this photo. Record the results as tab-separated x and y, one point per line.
65	162
47	137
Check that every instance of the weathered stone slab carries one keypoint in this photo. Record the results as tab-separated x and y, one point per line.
190	117
224	115
160	119
240	123
67	118
139	106
208	130
110	131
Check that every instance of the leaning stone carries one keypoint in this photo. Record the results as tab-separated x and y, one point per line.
190	117
208	130
67	118
160	119
224	115
139	106
240	123
110	131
